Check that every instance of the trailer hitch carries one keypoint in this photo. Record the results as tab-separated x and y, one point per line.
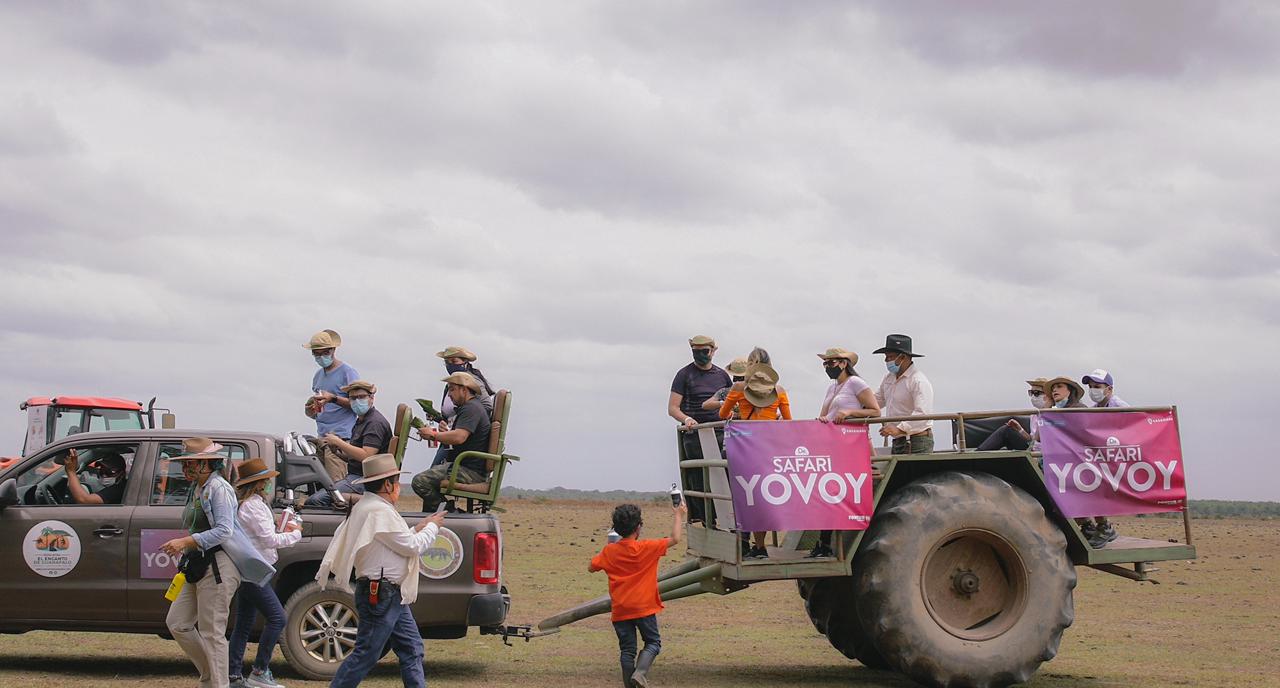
509	632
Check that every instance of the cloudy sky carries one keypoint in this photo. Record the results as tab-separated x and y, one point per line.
189	190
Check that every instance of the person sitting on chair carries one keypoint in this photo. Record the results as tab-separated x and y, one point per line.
1012	435
470	433
110	467
370	435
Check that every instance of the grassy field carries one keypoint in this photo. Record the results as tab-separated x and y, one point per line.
1211	622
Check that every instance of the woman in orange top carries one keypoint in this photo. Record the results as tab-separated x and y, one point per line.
760	397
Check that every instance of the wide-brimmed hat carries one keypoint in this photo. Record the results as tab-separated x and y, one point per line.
200	445
1100	377
702	340
897	343
838	352
456	352
253	470
324	339
762	385
738	367
1041	383
465	379
377	467
360	384
1074	391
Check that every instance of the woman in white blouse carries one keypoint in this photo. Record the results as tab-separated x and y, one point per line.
254	517
849	396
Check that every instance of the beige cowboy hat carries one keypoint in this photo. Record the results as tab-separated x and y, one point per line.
360	384
1074	391
762	385
377	467
465	379
738	368
702	340
838	352
456	352
200	445
324	339
205	456
253	470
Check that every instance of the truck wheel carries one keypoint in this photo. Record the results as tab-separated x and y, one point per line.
319	631
832	610
963	581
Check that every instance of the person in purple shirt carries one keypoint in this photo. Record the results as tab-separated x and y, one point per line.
328	404
1102	390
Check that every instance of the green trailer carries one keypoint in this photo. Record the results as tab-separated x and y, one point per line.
964	577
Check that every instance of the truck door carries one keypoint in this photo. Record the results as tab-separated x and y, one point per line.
158	519
67	560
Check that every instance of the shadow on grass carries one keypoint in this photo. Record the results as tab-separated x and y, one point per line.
852	674
145	667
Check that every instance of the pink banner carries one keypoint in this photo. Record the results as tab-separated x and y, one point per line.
1113	463
799	475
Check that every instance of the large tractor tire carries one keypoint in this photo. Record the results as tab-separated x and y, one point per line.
962	581
832	610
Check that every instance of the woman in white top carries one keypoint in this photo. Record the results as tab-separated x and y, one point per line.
849	396
254	516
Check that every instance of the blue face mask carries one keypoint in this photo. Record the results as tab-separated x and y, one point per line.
1062	403
360	406
324	361
455	367
893	367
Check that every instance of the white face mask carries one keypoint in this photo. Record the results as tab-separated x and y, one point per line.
1097	394
1040	402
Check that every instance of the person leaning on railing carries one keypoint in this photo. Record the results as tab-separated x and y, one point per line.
737	373
760	397
693	385
1066	393
849	396
905	391
1012	435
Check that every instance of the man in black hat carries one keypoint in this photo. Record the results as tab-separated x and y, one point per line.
905	391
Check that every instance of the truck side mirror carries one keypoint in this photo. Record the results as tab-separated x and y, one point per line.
8	493
168	421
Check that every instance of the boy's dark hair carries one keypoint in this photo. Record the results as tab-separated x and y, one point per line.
626	519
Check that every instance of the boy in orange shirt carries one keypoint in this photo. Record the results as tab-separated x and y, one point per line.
632	566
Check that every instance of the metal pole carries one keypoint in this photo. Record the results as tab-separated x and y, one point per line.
670	587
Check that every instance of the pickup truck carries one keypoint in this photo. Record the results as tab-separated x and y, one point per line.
98	567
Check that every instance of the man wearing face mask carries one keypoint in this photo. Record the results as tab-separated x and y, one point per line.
110	468
328	404
1012	435
693	385
370	435
1102	390
905	391
470	433
459	360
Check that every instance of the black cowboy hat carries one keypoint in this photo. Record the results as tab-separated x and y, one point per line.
897	343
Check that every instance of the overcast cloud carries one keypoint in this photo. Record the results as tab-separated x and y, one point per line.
189	191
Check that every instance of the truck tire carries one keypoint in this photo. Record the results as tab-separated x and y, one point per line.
319	632
832	610
962	581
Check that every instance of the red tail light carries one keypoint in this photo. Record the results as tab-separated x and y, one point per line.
485	558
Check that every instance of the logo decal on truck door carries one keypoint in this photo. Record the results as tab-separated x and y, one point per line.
51	548
444	557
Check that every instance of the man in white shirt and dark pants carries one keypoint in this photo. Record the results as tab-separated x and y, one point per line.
385	554
905	391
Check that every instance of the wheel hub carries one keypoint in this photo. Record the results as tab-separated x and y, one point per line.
966	582
974	584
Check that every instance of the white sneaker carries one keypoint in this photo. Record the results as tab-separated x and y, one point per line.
262	679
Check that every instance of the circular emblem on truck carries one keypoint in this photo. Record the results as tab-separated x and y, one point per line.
51	548
444	557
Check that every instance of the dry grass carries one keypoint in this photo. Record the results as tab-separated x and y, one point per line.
1212	622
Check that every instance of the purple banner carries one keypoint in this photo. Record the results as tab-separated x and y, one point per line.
1113	464
799	475
154	563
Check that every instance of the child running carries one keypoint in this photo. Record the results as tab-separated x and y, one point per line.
632	566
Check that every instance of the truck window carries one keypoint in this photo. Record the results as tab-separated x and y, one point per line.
67	422
52	474
169	488
114	419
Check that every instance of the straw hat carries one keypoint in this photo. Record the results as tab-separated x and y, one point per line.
377	467
200	445
456	352
838	352
253	470
1074	391
702	340
324	339
360	384
738	368
1041	383
465	379
762	385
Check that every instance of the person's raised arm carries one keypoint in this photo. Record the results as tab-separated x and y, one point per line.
78	493
677	525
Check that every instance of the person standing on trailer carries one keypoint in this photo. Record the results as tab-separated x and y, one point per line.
1102	391
692	386
905	391
849	396
328	404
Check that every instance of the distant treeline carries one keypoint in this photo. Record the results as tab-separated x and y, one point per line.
1200	508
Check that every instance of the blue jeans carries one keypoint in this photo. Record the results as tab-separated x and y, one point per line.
387	620
626	630
254	599
347	485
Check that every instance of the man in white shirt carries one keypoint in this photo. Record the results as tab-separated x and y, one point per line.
905	391
385	554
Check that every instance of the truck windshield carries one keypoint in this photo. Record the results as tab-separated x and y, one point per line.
114	419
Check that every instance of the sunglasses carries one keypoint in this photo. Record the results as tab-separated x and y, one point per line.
1035	392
